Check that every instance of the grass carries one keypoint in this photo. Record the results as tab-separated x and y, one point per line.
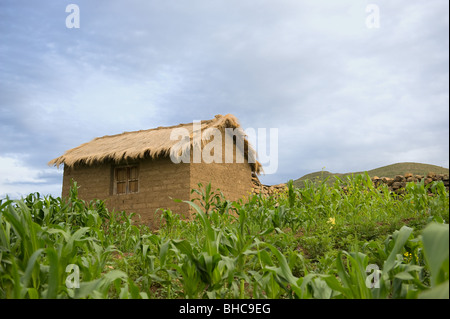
385	171
315	242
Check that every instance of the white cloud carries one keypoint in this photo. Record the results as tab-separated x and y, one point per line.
18	180
342	95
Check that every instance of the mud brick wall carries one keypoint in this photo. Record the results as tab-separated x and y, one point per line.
233	179
160	181
93	182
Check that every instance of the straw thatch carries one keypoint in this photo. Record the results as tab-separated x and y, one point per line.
150	143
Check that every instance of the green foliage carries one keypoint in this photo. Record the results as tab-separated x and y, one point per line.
320	241
384	171
435	241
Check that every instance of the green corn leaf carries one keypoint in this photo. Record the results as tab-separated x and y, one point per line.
334	284
401	237
438	292
284	269
163	250
86	288
144	250
53	280
124	293
404	275
134	290
13	218
33	293
143	295
112	277
435	239
17	288
184	247
321	289
30	266
5	234
265	258
342	272
65	234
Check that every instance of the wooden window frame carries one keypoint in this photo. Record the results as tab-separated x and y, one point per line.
127	179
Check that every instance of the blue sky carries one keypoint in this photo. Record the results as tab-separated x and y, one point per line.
344	97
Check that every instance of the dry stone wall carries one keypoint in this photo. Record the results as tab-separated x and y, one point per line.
396	184
268	190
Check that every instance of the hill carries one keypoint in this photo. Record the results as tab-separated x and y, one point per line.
384	171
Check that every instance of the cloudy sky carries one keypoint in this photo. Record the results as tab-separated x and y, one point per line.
344	93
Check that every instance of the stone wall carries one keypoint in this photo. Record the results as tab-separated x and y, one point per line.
268	190
396	184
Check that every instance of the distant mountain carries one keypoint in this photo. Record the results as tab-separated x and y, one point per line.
384	171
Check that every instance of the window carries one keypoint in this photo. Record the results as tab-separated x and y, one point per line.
126	180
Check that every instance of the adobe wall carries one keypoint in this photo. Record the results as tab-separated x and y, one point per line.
93	182
233	179
160	181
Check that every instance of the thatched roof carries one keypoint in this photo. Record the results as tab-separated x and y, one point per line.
150	143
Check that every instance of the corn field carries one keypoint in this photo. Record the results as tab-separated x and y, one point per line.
318	242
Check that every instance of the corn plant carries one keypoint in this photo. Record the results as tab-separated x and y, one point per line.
348	239
35	255
435	239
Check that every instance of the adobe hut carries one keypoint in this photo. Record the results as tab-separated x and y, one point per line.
145	170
